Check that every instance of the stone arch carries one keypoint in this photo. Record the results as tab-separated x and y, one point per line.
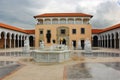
109	41
103	38
117	39
112	39
95	41
20	37
8	40
16	41
61	36
100	41
23	38
47	21
2	40
54	21
63	21
12	40
31	39
106	40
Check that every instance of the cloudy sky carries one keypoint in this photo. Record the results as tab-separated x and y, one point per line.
20	12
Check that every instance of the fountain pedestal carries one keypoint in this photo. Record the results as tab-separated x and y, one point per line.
51	56
56	53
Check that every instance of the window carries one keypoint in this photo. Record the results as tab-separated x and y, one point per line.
73	31
82	30
62	31
41	32
53	41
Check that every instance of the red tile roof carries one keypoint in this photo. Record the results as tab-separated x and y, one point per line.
63	15
30	31
17	29
96	31
111	28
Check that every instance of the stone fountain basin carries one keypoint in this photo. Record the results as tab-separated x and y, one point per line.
51	56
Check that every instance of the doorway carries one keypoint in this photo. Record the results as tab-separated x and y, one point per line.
82	44
74	43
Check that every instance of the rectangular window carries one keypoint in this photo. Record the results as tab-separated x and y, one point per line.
82	30
74	43
73	31
62	31
41	32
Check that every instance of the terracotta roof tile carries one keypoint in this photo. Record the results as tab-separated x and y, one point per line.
63	15
17	29
110	28
96	31
30	31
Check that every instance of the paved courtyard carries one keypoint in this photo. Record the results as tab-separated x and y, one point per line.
94	67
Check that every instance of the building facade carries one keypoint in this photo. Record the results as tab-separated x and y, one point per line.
13	37
107	38
63	28
60	28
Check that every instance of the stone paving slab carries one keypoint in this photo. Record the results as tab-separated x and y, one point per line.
7	70
34	71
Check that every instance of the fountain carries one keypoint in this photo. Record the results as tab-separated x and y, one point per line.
55	53
88	46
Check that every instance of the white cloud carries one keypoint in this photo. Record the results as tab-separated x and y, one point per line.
21	12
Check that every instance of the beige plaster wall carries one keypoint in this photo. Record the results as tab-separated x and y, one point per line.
53	27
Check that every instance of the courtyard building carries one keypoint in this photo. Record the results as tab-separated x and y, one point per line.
13	37
60	28
107	38
63	28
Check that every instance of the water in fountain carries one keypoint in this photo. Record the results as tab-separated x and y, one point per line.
88	46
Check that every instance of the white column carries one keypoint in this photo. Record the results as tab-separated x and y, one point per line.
98	41
102	42
10	41
114	42
43	21
14	41
107	41
119	41
82	20
74	20
58	20
18	41
5	37
0	35
110	41
66	20
23	37
51	21
21	40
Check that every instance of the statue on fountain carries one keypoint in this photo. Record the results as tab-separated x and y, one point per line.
79	45
42	44
26	45
88	46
